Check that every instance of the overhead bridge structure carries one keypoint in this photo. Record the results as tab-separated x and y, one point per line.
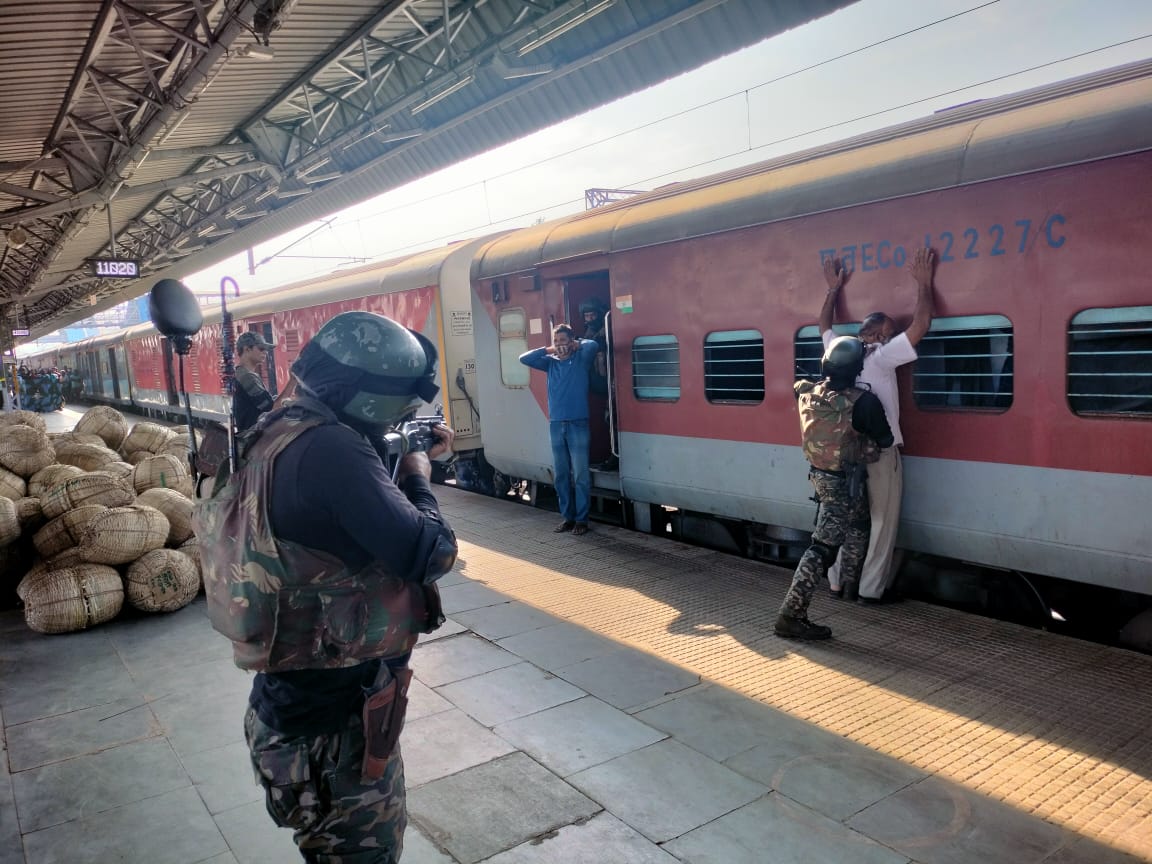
176	133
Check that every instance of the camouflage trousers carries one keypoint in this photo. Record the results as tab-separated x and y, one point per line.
842	525
312	784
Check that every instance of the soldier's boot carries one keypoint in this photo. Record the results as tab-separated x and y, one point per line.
788	627
851	589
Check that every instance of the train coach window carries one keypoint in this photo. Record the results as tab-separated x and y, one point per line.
809	348
734	366
1110	361
513	343
965	363
656	368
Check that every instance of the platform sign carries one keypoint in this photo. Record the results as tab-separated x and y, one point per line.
114	268
20	332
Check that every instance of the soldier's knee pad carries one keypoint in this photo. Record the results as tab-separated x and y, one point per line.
826	552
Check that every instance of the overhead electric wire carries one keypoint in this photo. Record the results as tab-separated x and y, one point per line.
684	111
481	227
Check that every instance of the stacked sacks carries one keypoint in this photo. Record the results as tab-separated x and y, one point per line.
65	525
105	422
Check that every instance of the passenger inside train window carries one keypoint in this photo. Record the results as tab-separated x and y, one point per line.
886	350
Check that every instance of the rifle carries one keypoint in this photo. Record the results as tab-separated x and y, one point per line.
227	367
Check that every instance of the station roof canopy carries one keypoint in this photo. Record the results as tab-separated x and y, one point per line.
190	130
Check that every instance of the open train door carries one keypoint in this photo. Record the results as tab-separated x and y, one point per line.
587	297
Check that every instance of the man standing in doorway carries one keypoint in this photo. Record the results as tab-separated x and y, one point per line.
250	398
885	351
567	362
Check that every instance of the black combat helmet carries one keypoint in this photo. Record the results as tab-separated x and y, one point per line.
843	360
368	368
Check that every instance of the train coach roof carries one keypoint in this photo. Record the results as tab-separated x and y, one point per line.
1093	117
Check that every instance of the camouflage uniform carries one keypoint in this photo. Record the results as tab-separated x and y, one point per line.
838	453
286	607
843	522
313	785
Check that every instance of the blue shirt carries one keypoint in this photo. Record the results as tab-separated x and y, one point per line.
567	379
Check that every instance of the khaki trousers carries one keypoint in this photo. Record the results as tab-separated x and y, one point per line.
885	491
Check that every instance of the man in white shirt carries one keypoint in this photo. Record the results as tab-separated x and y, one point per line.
887	350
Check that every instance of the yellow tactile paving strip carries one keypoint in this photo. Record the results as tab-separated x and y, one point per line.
1052	726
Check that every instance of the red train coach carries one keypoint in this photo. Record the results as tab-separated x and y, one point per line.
1027	416
427	291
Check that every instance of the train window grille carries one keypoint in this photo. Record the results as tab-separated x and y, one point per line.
513	342
808	348
656	368
291	341
734	367
965	363
1110	361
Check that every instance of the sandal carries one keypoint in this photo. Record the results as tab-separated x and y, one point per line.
563	526
580	528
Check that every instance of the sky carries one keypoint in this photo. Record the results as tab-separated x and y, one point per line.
758	103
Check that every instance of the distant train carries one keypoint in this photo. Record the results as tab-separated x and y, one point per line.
1028	417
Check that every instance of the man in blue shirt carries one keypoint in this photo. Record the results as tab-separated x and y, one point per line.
567	361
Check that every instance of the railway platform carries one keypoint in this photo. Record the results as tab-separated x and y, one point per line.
612	698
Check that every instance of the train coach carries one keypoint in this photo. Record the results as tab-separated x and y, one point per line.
428	292
1028	414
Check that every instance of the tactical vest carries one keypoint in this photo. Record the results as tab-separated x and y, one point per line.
286	606
830	443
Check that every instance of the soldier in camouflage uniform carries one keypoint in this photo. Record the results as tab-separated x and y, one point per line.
843	429
321	570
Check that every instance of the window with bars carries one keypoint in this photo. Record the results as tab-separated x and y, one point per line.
656	368
734	367
291	341
808	348
965	363
1110	361
513	343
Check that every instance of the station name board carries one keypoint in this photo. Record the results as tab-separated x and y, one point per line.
20	332
114	268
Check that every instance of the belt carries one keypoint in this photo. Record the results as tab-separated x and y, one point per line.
839	474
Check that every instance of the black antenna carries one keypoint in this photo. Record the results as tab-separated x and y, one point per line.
177	316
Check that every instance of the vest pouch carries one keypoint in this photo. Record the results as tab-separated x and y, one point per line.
318	626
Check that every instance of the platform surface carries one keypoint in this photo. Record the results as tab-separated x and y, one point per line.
611	698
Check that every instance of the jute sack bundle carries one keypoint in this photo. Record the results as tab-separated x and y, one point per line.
192	550
177	509
75	598
139	456
44	480
11	485
89	457
121	534
67	558
29	512
23	418
94	488
65	531
158	472
146	436
25	450
10	521
105	421
122	470
162	581
177	446
75	438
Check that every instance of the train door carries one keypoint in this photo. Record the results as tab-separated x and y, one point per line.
268	367
114	372
586	299
170	374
